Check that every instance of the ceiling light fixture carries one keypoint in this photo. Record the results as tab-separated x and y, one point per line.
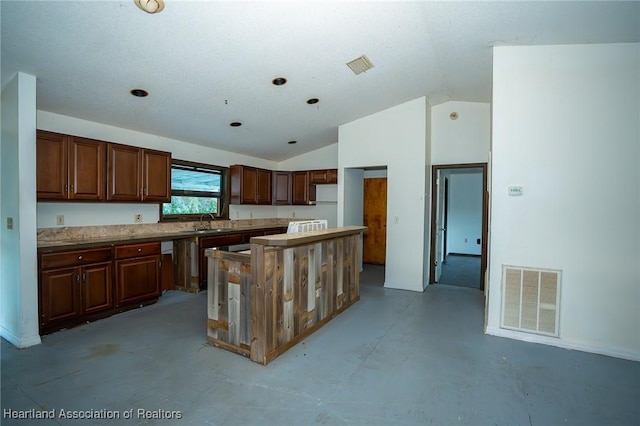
139	93
279	81
150	6
235	124
313	101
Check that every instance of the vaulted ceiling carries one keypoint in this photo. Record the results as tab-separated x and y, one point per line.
208	64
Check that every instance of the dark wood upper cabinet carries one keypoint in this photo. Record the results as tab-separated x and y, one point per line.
332	176
69	167
303	192
320	177
281	194
156	176
137	174
250	185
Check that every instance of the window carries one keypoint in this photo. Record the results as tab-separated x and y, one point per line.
196	189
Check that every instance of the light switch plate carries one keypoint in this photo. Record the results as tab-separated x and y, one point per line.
9	223
60	219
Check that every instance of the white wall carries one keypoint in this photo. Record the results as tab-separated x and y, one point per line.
326	195
18	265
463	140
566	128
464	225
395	138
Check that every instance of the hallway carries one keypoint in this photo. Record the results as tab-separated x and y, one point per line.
461	271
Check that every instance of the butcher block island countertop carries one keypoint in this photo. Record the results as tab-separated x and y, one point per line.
264	300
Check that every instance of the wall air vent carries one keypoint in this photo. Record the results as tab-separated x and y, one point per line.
531	300
360	65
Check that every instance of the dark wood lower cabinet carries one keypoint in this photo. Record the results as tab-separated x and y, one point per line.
137	279
79	286
73	286
59	296
137	273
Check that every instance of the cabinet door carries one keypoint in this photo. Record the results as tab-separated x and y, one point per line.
51	166
264	186
281	187
123	173
96	288
86	169
332	176
249	186
137	279
157	176
60	295
318	176
303	192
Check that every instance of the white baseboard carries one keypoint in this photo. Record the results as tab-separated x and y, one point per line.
19	342
552	341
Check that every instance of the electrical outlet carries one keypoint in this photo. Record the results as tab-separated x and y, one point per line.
60	220
138	218
293	214
237	215
250	215
9	223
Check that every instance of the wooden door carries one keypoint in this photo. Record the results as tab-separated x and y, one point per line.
60	295
86	169
96	287
157	176
124	177
374	246
51	166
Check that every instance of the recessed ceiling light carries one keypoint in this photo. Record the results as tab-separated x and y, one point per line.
279	81
235	124
150	6
313	101
139	93
292	142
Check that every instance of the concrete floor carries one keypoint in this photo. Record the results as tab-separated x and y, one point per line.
395	357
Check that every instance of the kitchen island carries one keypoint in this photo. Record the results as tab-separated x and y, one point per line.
264	300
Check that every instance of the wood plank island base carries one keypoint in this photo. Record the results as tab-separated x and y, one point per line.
263	301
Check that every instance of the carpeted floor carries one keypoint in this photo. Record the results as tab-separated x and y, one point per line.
461	271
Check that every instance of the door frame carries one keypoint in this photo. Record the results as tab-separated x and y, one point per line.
485	217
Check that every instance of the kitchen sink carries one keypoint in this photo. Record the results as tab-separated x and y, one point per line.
206	231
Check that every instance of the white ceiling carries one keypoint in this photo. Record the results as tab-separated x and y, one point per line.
207	64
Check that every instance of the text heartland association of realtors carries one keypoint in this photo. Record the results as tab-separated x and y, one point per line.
139	413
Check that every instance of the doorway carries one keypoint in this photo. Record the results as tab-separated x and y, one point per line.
456	251
374	243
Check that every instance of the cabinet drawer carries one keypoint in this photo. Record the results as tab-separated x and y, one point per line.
75	258
137	250
223	240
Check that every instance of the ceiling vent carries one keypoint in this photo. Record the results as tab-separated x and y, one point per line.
360	65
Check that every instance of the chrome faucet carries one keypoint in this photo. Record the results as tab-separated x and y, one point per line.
202	227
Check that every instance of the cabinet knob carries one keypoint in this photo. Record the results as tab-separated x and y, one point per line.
139	250
79	257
